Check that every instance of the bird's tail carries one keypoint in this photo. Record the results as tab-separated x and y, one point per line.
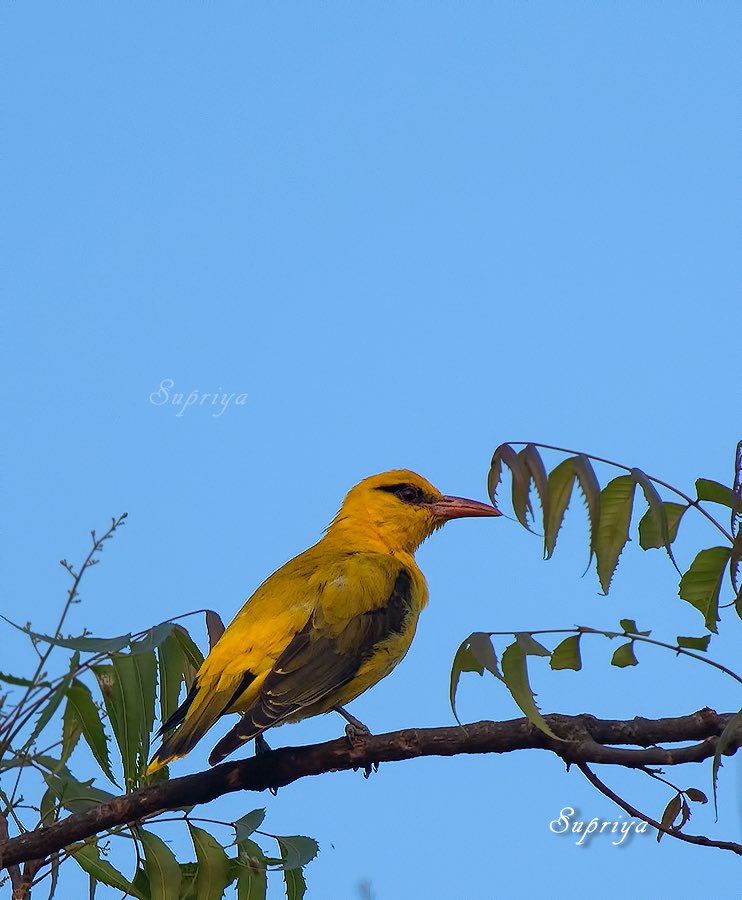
193	718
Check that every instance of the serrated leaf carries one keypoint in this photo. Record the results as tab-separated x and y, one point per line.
88	857
81	643
71	731
694	643
193	655
729	733
55	699
214	627
515	673
214	872
160	866
521	481
152	638
616	504
650	533
296	850
245	826
696	796
252	883
171	664
567	654
590	487
531	647
734	563
22	682
463	661
670	815
537	472
74	795
79	696
657	511
294	883
128	688
624	656
561	480
701	584
480	644
706	489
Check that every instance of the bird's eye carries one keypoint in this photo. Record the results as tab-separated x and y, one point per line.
409	494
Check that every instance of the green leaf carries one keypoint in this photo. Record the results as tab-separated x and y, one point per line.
80	698
694	643
670	815
629	626
480	644
245	826
624	656
726	738
650	528
152	638
567	654
128	688
701	584
296	886
590	488
297	850
531	647
192	654
76	796
213	865
715	493
463	661
537	472
188	876
561	480
171	664
696	795
88	857
515	673
616	503
82	643
252	881
656	510
521	481
22	682
71	731
160	866
55	699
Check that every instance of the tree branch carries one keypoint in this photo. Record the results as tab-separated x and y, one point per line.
632	811
584	740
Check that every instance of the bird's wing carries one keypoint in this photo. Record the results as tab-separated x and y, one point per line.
321	658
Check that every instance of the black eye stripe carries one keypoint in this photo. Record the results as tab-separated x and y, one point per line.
408	493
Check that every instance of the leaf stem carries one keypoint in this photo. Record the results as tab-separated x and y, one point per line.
610	462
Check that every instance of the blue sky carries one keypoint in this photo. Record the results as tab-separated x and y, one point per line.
408	232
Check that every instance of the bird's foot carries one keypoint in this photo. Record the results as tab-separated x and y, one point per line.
355	729
262	746
357	732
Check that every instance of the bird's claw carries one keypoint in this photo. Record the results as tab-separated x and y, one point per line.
356	732
262	746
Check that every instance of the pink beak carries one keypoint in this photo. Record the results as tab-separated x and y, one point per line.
460	508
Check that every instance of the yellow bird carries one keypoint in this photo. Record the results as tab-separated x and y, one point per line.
327	625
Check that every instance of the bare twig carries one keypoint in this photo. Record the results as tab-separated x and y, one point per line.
632	811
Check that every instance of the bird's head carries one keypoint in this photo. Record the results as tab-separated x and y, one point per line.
401	508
